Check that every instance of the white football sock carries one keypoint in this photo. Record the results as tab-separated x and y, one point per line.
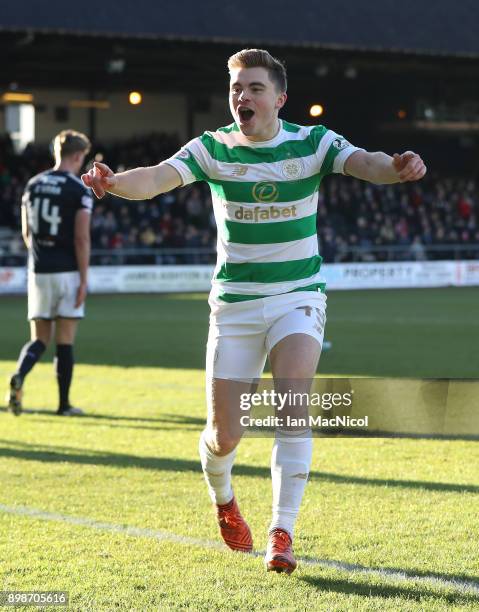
290	464
217	471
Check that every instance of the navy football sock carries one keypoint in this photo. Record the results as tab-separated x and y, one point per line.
29	355
64	370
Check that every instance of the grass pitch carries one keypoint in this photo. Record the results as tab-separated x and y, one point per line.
391	505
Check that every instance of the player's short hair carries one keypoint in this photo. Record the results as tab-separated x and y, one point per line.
69	142
259	58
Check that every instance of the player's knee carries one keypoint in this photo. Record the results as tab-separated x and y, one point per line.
43	337
223	442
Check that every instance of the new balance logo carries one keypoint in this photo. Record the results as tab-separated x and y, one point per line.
240	170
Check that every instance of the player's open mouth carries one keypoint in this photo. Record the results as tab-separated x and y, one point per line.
245	114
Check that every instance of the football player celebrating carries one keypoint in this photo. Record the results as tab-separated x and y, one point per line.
267	299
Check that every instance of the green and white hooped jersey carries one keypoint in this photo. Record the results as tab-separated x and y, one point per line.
265	197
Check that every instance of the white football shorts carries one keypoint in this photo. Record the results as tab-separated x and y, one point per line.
242	334
53	295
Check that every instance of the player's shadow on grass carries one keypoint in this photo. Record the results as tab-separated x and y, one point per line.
349	587
148	427
166	418
467	580
54	454
198	422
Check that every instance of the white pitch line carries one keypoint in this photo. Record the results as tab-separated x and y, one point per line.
464	586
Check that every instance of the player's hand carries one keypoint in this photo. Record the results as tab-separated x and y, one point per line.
100	179
409	166
81	295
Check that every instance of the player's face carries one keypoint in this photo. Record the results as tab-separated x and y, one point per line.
255	102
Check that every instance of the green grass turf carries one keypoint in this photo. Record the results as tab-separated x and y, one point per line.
405	333
405	504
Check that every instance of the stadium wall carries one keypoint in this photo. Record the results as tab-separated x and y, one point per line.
217	115
171	279
166	113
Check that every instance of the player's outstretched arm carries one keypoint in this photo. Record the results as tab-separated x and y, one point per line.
136	184
381	168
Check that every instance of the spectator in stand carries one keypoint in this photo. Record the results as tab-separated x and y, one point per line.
147	237
417	249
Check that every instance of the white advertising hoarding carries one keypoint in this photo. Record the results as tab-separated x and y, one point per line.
391	275
146	279
170	279
13	280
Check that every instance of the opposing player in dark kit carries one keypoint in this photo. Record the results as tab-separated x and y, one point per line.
56	210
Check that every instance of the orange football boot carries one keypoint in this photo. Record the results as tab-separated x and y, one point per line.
234	529
279	554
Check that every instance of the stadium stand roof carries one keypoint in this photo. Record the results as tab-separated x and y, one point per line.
436	27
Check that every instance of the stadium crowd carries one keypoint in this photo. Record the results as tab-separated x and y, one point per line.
357	221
